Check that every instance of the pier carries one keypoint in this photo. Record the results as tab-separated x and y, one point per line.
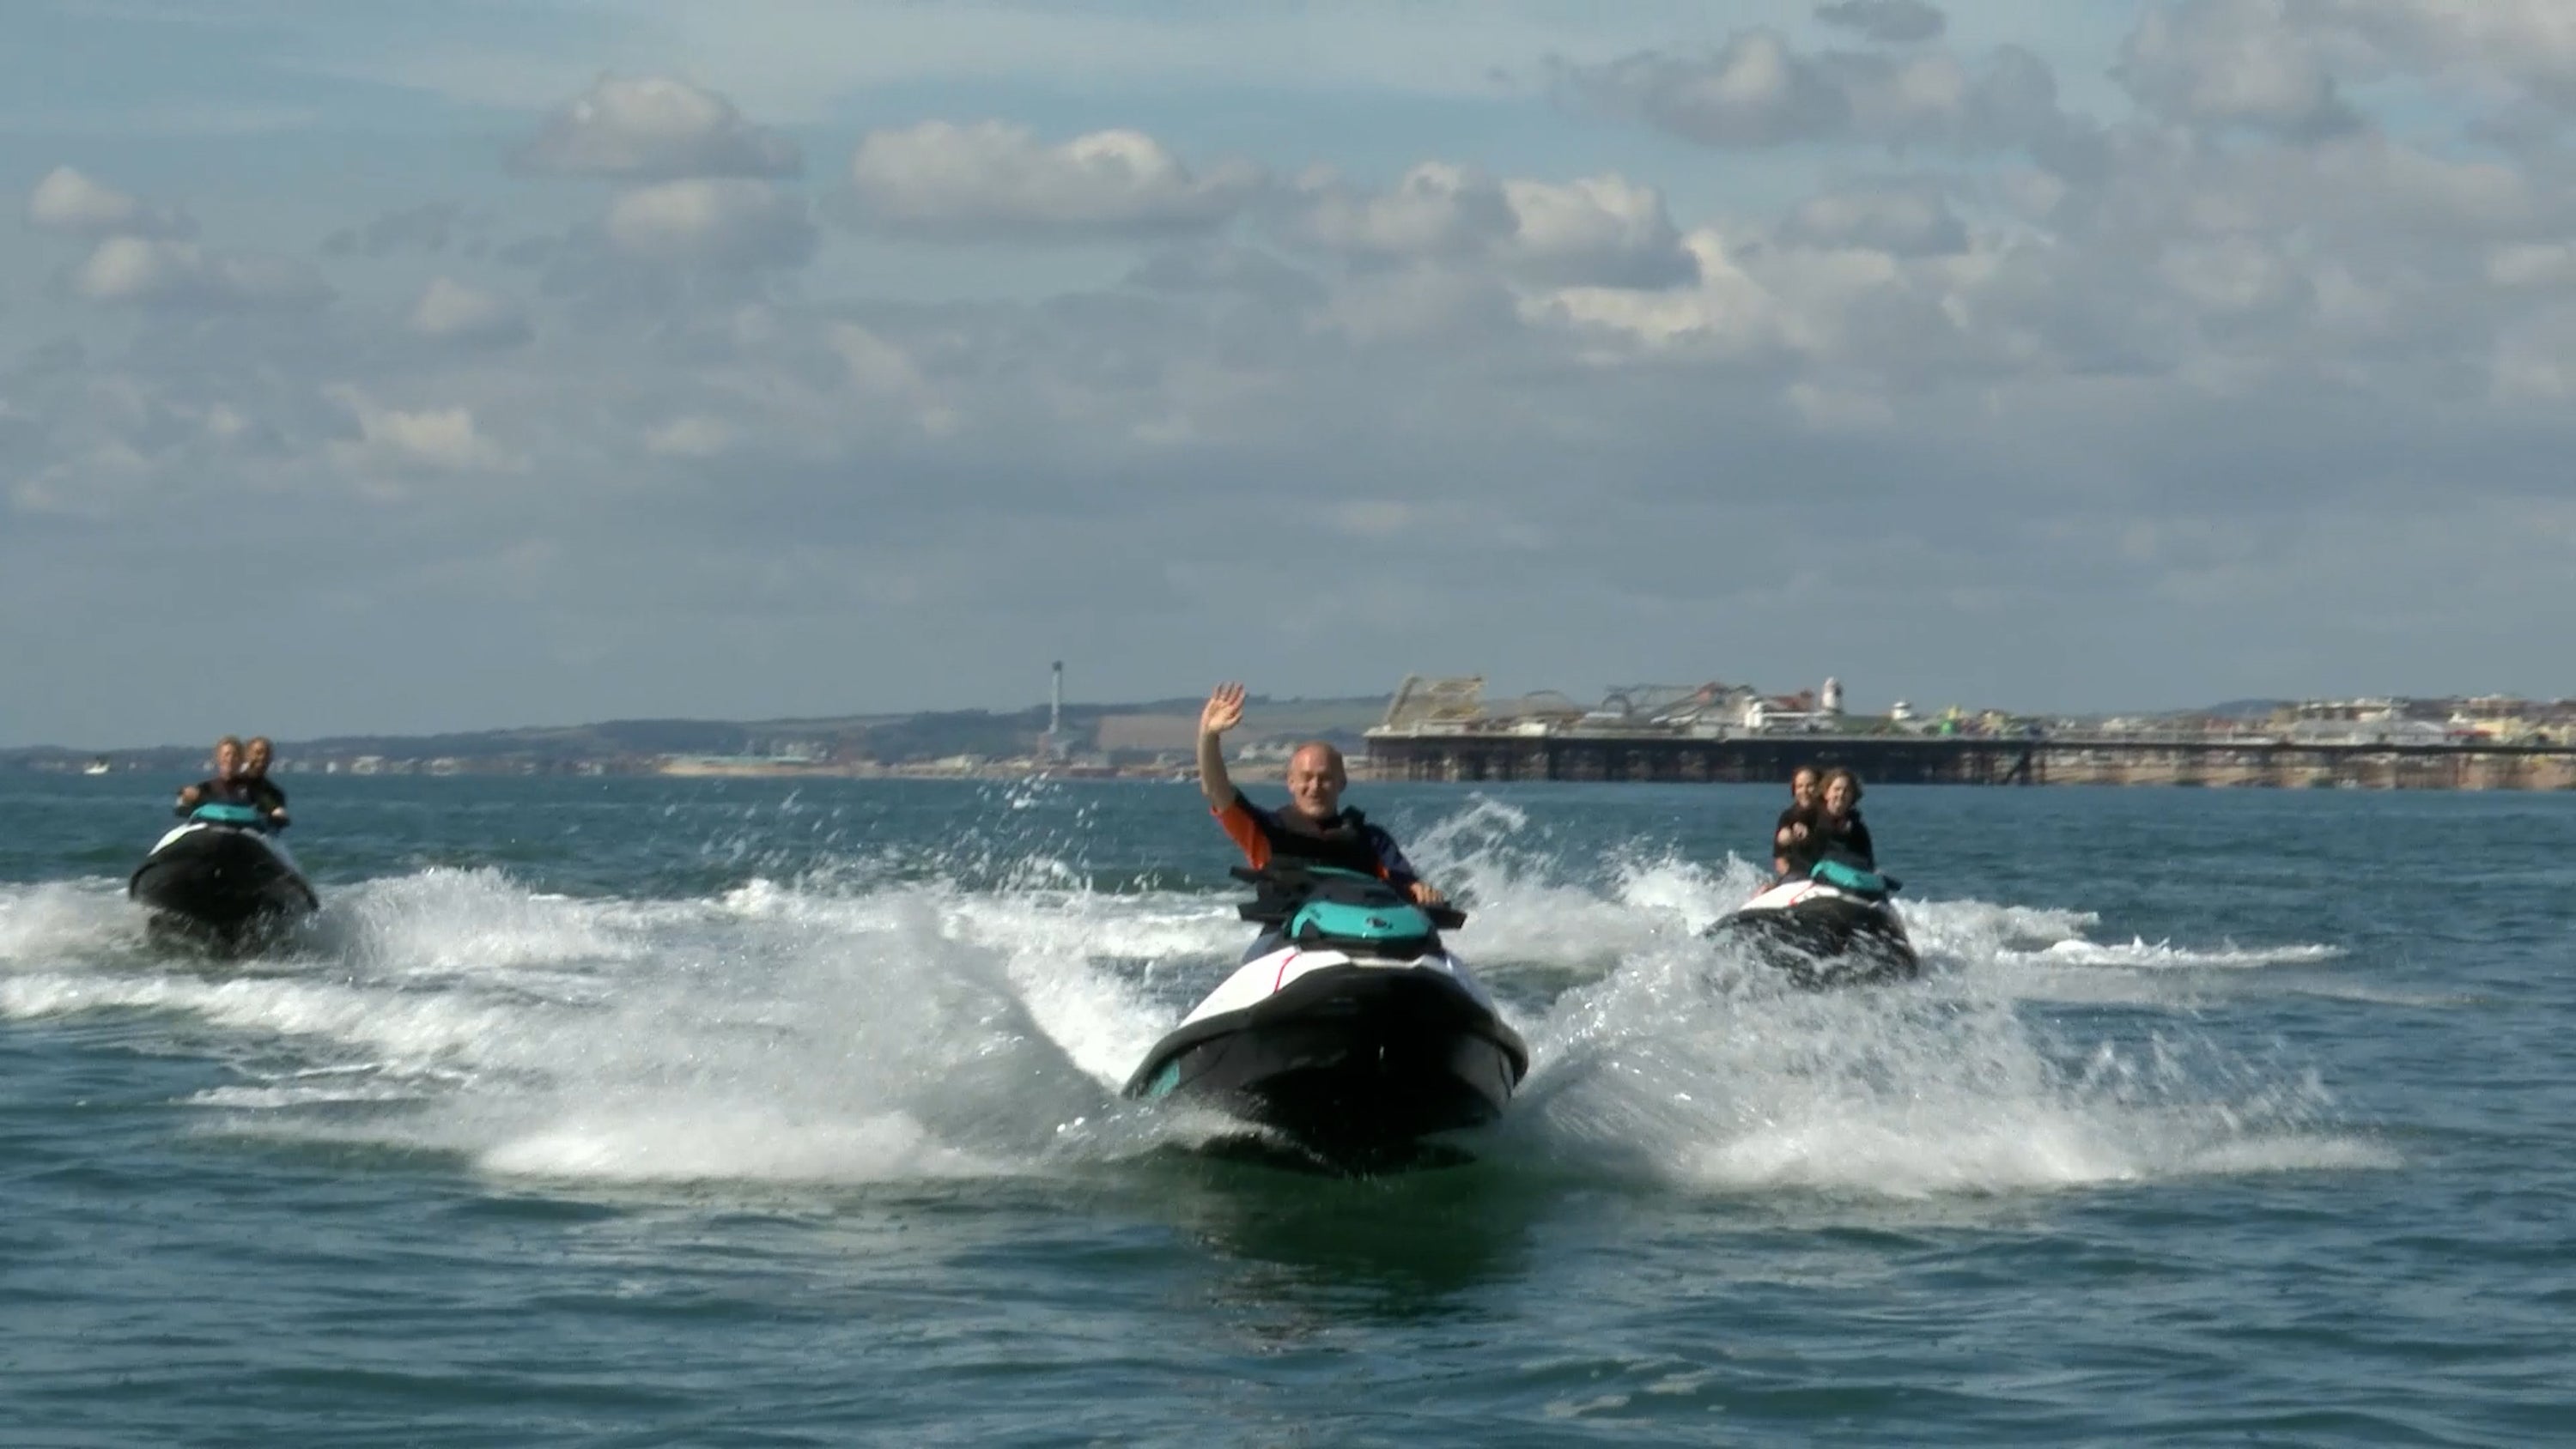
1442	729
1964	760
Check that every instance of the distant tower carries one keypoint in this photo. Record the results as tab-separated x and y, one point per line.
1052	747
1833	696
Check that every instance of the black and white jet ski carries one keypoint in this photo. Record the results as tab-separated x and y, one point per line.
1350	1030
221	879
1835	927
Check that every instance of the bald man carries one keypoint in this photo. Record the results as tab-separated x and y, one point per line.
1313	828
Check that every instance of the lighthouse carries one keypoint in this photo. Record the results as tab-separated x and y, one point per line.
1051	749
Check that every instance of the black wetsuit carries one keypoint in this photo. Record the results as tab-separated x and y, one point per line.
235	791
1345	842
269	798
1801	852
1850	838
1793	815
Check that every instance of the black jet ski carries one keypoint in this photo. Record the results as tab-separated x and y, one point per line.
220	879
1834	927
1349	1030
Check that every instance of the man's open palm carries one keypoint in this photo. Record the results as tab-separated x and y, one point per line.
1224	710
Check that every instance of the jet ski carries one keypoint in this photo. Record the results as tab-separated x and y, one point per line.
1835	927
221	879
1349	1030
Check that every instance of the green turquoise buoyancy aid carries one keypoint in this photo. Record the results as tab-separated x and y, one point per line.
1358	910
1851	878
225	815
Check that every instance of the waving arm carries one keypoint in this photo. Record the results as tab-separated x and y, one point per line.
1223	712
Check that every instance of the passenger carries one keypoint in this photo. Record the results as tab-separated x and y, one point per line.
270	800
1839	829
224	787
1789	835
1313	828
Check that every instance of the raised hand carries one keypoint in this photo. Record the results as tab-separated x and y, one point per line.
1224	709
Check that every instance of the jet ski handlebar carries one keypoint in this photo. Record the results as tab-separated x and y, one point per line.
1283	888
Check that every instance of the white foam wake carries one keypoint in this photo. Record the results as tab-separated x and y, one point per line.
851	1025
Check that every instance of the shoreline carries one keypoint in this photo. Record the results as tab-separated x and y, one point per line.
2463	770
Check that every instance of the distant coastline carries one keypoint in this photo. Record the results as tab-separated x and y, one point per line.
1153	740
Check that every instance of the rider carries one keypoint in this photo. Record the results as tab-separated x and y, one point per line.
1789	836
1312	828
225	787
266	796
1839	829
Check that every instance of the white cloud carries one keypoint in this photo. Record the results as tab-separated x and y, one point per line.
1727	314
715	222
881	372
68	201
1757	90
1907	221
2220	63
994	180
450	311
1419	304
2365	188
654	128
1434	210
2233	277
434	440
1601	230
693	436
2534	360
2528	45
2532	264
177	275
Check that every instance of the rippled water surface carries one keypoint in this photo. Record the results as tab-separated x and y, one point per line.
645	1112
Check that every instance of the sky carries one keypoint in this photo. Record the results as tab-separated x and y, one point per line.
501	362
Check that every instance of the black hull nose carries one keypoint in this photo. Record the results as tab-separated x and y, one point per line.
1354	1065
220	881
1825	944
1361	1103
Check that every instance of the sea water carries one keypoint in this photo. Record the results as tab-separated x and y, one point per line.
640	1112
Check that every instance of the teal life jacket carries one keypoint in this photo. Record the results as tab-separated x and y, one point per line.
1347	908
1317	922
225	815
1852	878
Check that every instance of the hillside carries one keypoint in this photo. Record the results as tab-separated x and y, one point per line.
1117	732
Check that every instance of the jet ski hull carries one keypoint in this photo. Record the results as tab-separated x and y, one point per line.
221	883
1355	1063
1820	937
